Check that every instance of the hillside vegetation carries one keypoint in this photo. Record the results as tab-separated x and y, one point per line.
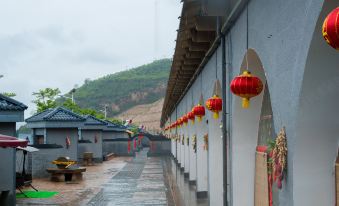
124	90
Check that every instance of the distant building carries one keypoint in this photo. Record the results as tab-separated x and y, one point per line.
117	140
91	137
55	133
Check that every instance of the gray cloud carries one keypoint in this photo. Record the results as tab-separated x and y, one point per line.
61	43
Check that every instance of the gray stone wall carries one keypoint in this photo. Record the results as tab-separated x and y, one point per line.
41	160
7	176
114	135
8	128
117	147
95	148
58	136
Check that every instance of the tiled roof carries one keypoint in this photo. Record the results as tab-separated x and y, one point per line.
90	120
115	127
9	104
57	115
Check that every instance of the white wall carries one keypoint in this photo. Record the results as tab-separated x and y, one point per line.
192	154
317	134
245	126
215	154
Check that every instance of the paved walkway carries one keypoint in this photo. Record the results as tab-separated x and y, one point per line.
139	183
123	181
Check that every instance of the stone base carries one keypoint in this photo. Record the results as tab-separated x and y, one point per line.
62	177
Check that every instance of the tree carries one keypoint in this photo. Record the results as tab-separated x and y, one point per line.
45	98
83	111
9	94
115	121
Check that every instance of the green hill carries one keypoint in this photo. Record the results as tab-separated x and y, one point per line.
123	90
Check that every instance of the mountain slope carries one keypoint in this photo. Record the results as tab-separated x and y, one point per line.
123	90
146	114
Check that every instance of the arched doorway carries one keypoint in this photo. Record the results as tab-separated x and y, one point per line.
317	127
244	137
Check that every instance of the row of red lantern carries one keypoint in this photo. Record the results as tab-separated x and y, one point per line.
245	86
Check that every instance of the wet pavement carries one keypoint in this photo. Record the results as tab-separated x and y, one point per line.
123	181
139	183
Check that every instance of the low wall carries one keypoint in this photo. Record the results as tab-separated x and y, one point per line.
118	147
95	148
39	161
159	148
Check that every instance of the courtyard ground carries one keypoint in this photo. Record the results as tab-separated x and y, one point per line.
123	181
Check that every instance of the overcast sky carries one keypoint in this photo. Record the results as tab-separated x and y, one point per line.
60	43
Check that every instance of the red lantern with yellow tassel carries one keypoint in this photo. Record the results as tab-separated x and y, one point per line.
330	28
185	119
246	86
190	116
180	122
214	104
199	111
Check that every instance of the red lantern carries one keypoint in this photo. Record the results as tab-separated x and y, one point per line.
184	119
199	111
128	146
68	142
331	28
190	116
180	122
214	104
246	86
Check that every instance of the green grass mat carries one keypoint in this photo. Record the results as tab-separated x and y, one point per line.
34	194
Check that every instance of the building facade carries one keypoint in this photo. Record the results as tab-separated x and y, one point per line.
11	111
281	43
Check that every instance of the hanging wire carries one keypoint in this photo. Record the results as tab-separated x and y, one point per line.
216	64
201	82
247	26
192	97
247	37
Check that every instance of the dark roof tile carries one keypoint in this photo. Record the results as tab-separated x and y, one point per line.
9	104
57	115
90	120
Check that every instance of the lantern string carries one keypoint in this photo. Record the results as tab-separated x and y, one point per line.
247	32
201	82
247	26
216	64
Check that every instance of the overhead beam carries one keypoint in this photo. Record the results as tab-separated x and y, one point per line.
203	36
194	46
206	23
192	54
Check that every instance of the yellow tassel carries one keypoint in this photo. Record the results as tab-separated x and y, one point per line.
245	103
192	121
216	115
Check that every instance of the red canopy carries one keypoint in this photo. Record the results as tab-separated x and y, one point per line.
8	141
